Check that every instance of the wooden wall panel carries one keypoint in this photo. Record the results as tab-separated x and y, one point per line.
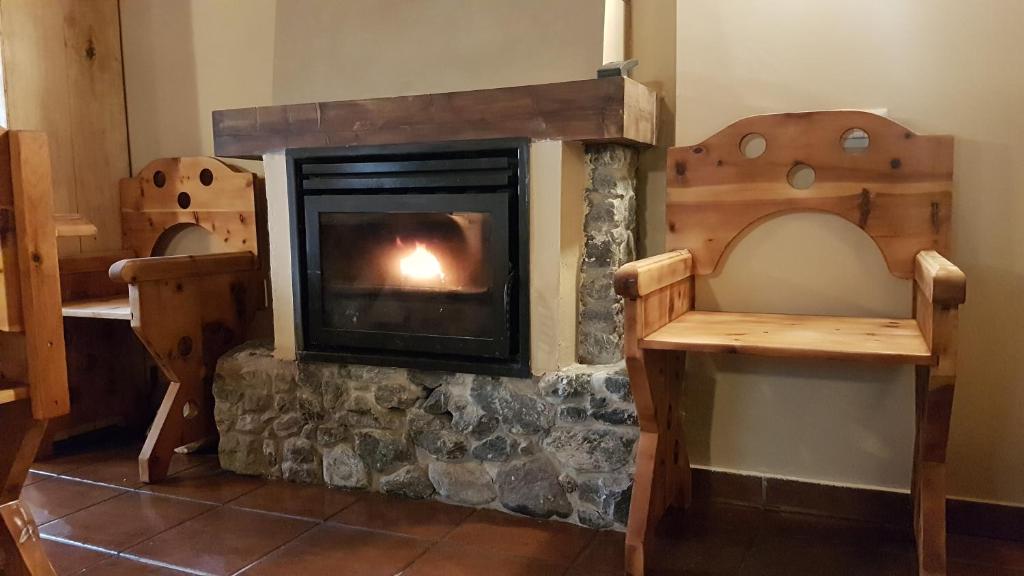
62	73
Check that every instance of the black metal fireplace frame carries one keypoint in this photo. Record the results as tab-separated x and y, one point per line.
474	191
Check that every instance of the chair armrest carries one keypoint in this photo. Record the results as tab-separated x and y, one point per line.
940	280
641	277
136	270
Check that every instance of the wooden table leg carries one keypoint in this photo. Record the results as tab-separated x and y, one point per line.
935	402
20	543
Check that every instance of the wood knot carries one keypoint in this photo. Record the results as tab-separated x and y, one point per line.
895	163
184	346
698	150
865	207
37	258
90	50
680	168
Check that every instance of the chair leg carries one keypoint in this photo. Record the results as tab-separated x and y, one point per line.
185	416
662	476
19	537
928	485
21	544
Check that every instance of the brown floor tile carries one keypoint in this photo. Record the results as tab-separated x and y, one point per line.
67	559
425	519
124	567
34	477
448	559
56	497
605	556
62	463
124	521
518	536
334	550
206	483
964	569
803	559
221	541
303	501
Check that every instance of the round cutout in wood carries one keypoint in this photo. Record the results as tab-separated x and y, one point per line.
753	145
184	200
801	176
159	178
206	176
855	141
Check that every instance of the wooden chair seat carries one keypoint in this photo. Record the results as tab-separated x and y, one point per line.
782	335
110	308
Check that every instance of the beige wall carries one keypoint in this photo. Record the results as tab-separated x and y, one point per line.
939	67
186	58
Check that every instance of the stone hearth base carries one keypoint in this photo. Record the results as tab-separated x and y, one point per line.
558	446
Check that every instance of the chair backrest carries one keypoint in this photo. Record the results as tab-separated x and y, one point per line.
897	188
32	357
198	190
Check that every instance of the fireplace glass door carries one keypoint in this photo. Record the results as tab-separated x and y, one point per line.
425	272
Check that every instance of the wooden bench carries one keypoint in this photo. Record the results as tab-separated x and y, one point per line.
898	190
33	379
186	310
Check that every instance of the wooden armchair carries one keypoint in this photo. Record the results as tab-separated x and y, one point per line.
33	379
898	190
186	310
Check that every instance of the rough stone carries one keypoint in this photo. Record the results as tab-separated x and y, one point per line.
569	484
344	468
531	487
591	518
396	394
525	414
437	402
592	449
442	444
381	450
420	421
288	424
619	415
494	449
572	414
410	482
609	495
616	383
561	386
304	473
468	483
431	379
242	453
298	450
330	433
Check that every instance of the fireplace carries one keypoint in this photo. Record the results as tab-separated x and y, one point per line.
413	255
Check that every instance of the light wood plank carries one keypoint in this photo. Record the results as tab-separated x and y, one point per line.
10	281
40	280
115	308
873	339
898	190
137	270
99	125
942	282
642	277
10	393
73	226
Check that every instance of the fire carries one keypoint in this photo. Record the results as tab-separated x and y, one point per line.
421	265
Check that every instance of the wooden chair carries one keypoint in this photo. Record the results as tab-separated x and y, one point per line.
186	310
898	190
33	379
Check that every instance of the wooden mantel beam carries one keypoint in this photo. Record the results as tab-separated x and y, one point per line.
600	110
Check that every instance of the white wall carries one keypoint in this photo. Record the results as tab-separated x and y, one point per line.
939	66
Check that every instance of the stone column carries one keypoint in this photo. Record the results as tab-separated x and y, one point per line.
609	226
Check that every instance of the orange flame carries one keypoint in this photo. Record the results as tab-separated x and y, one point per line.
421	265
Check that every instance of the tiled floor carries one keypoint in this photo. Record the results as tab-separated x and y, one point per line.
97	520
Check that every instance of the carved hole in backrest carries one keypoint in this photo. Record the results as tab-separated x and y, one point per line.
206	176
804	263
186	238
801	176
184	200
159	179
753	145
855	141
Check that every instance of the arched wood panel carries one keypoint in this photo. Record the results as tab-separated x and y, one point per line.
898	189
